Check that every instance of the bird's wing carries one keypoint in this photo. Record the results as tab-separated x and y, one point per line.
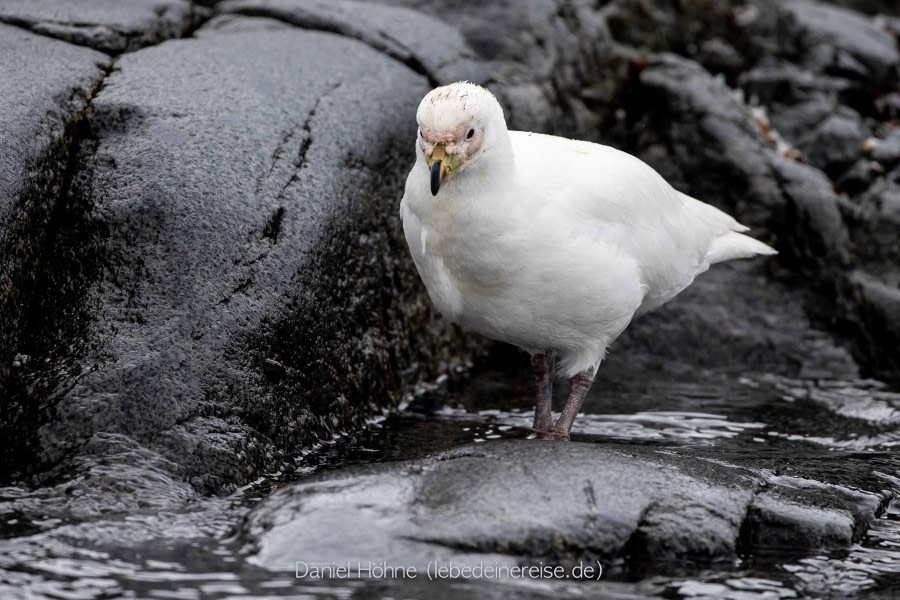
622	200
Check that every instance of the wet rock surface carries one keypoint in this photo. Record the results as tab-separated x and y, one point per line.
203	277
107	25
405	35
172	290
574	503
47	89
227	273
834	39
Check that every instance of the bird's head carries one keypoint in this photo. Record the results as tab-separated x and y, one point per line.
456	125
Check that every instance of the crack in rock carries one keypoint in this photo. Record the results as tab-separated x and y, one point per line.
328	18
123	30
28	275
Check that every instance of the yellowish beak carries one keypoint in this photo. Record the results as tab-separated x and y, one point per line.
438	156
441	167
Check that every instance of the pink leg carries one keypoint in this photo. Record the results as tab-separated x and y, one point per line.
543	383
581	383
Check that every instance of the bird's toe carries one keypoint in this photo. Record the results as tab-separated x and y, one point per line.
554	434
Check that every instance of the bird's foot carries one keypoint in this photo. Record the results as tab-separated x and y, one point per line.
554	434
537	432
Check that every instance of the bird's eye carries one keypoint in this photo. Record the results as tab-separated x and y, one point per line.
470	133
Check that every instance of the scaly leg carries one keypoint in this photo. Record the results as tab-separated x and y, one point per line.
581	383
543	383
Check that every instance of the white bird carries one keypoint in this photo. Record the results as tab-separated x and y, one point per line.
548	243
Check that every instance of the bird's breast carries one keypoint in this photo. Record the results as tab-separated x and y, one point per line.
473	259
467	246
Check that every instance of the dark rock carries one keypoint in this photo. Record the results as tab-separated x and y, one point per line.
835	40
801	50
870	7
819	234
872	292
112	26
836	142
534	20
888	21
860	176
875	217
698	30
406	35
708	130
519	501
717	55
802	119
801	514
732	319
787	85
887	151
704	140
806	109
45	92
878	309
543	60
233	23
799	119
233	206
831	136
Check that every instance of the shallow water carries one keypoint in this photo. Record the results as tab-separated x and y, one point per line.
838	431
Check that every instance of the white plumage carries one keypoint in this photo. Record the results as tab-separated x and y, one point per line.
545	242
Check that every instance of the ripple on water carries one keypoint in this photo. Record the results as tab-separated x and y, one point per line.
873	564
745	588
865	400
649	425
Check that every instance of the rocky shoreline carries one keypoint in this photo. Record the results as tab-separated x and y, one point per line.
203	274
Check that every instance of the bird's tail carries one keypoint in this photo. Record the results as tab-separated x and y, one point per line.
731	244
736	245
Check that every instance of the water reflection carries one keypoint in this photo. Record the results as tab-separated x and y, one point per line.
655	425
746	588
